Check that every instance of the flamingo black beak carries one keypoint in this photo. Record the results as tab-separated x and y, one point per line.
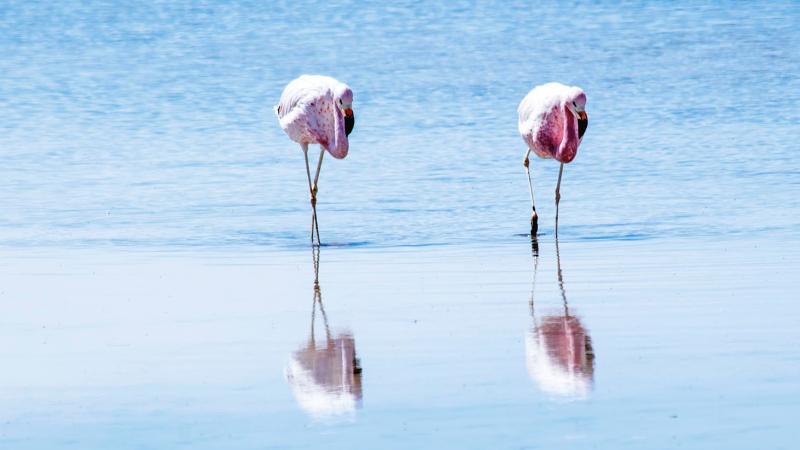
583	123
349	121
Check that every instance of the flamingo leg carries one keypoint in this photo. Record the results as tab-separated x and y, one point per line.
319	166
314	190
313	196
534	216
558	193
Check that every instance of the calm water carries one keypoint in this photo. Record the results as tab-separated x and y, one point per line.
151	125
157	289
692	346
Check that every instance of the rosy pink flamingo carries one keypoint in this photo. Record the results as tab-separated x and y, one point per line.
552	120
315	109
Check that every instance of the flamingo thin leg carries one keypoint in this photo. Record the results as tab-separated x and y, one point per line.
534	216
319	166
313	196
314	189
558	193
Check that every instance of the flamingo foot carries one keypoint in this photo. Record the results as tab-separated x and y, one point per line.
534	223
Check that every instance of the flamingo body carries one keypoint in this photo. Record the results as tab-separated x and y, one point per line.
552	120
549	123
311	111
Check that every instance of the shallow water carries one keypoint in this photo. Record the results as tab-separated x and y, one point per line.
157	288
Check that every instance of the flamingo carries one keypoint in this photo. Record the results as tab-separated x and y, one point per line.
316	109
552	121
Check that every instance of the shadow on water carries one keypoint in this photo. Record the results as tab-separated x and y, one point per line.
558	348
325	377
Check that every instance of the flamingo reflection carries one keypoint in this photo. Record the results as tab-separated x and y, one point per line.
559	350
325	377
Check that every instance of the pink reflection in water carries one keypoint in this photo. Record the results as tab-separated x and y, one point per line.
325	378
560	356
559	352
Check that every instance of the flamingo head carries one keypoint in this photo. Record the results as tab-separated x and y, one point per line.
576	102
344	101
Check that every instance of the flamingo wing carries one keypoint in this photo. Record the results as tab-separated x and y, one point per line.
308	114
547	125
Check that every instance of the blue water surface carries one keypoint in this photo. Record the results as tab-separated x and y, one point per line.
157	289
150	124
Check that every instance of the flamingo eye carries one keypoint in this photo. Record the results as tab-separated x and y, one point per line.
574	104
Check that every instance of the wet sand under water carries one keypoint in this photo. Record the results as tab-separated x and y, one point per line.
641	344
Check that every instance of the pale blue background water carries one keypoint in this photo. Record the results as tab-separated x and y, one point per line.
129	126
150	124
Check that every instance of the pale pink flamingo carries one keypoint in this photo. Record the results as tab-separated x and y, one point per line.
552	120
315	109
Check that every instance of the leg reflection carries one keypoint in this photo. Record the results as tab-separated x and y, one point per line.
559	351
325	377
